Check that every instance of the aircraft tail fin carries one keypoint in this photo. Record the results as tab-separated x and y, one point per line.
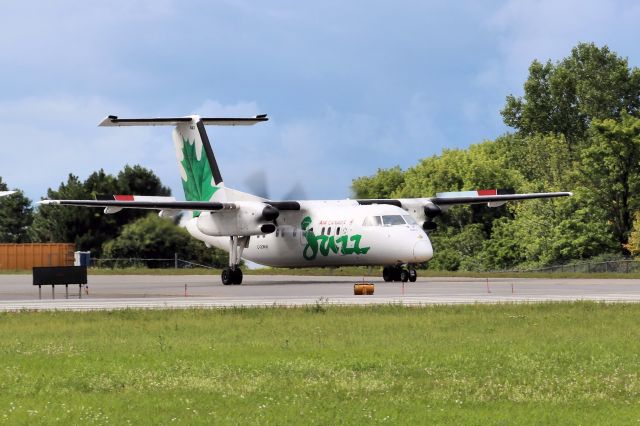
201	177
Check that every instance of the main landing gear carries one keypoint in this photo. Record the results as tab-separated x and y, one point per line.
398	273
233	274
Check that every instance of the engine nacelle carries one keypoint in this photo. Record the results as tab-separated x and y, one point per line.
248	218
431	210
429	226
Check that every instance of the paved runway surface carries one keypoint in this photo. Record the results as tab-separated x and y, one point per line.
168	291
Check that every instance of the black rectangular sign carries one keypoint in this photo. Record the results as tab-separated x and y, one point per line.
54	275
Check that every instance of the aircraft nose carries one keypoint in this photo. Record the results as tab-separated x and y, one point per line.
422	251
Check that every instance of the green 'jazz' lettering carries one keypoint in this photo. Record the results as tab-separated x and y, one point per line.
326	244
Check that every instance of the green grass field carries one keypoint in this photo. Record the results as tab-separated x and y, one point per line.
573	363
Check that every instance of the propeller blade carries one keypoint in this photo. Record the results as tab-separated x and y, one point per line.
257	184
296	192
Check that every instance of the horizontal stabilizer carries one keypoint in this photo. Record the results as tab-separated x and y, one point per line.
114	121
3	193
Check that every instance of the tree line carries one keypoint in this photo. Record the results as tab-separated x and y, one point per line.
576	128
127	234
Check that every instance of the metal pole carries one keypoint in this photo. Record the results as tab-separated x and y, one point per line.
175	257
66	291
53	291
39	292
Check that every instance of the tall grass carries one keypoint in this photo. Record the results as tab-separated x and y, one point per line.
545	363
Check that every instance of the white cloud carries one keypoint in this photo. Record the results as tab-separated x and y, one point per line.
548	29
47	138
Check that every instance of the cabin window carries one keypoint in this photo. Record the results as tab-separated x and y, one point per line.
329	231
410	220
322	232
371	221
277	232
392	220
338	231
295	231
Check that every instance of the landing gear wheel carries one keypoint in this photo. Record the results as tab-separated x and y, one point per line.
237	276
387	273
404	275
227	276
413	275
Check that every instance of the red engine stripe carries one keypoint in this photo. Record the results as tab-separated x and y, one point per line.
123	197
482	192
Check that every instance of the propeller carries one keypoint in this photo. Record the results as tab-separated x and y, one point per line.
257	184
296	192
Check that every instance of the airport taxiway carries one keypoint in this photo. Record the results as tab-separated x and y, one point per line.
187	291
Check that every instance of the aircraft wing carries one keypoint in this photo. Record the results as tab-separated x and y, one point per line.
3	193
424	210
161	203
168	204
492	197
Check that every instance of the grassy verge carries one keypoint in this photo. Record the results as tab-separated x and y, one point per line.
573	363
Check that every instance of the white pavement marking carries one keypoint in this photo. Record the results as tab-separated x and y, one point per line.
198	302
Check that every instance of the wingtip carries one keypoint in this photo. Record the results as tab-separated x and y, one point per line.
108	120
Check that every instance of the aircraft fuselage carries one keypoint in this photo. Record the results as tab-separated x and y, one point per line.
335	233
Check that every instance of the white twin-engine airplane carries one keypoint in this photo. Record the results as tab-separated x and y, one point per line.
300	233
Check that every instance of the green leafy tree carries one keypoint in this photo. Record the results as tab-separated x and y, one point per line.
89	228
481	166
633	246
154	237
544	232
136	180
384	184
16	216
563	98
610	171
457	250
63	224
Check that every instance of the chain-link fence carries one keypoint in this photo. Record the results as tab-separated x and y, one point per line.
146	263
615	266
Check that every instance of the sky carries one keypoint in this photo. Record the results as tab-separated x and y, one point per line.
350	87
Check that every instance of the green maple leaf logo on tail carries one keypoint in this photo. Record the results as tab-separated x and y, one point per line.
198	186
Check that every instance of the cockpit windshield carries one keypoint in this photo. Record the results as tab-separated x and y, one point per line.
372	221
410	220
389	220
392	220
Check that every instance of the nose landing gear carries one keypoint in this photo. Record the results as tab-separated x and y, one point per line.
398	273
